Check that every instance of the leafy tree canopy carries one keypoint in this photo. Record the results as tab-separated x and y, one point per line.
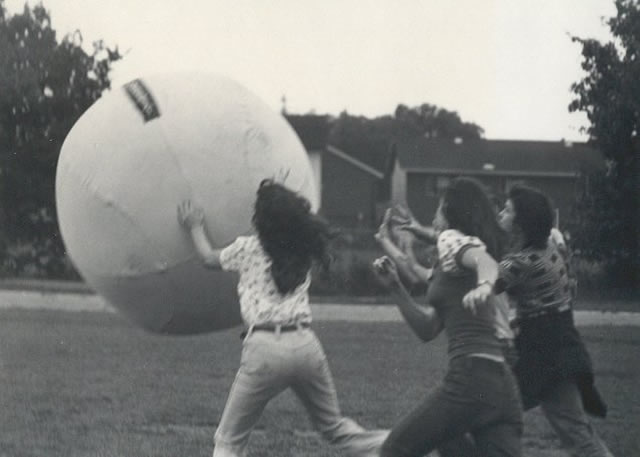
609	94
45	85
369	139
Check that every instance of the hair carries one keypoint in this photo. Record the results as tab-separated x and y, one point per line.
291	235
468	208
533	215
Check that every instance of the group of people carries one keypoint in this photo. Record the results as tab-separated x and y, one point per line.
486	264
498	365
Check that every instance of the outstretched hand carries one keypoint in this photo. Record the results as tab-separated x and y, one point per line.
403	221
477	297
386	271
401	215
190	215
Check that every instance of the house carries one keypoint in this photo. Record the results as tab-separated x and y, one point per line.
348	187
355	191
422	167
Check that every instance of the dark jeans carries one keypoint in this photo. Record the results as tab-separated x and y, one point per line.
477	395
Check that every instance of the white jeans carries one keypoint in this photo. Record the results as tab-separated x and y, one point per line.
273	362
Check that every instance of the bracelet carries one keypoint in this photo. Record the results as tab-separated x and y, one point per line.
485	281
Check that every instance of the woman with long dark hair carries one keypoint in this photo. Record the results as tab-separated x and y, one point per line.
478	394
554	369
280	350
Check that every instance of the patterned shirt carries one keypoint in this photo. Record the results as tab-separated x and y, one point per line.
260	300
467	332
537	281
451	246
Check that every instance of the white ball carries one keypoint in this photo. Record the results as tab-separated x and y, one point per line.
139	151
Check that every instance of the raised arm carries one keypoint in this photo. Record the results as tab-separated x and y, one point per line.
408	267
403	218
423	320
422	272
191	217
424	232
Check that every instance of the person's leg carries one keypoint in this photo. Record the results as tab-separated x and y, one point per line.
500	440
435	422
258	380
562	407
314	387
500	432
462	446
468	399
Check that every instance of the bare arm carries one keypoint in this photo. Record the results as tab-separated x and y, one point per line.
486	269
423	273
408	267
427	233
406	221
210	256
423	320
192	219
400	259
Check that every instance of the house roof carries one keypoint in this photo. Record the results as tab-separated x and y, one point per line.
312	129
355	162
497	157
370	151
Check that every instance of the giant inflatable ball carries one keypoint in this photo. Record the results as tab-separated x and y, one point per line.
128	162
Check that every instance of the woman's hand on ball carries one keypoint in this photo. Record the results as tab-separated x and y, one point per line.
190	215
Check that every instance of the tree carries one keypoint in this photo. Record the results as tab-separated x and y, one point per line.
45	86
429	120
609	94
369	140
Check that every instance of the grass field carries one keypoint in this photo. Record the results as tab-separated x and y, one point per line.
91	384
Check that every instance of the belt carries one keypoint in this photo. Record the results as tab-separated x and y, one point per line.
275	328
545	311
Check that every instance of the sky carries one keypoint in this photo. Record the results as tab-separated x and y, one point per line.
505	65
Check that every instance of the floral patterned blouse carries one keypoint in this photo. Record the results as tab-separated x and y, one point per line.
260	301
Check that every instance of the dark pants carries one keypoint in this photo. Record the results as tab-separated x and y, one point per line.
477	395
